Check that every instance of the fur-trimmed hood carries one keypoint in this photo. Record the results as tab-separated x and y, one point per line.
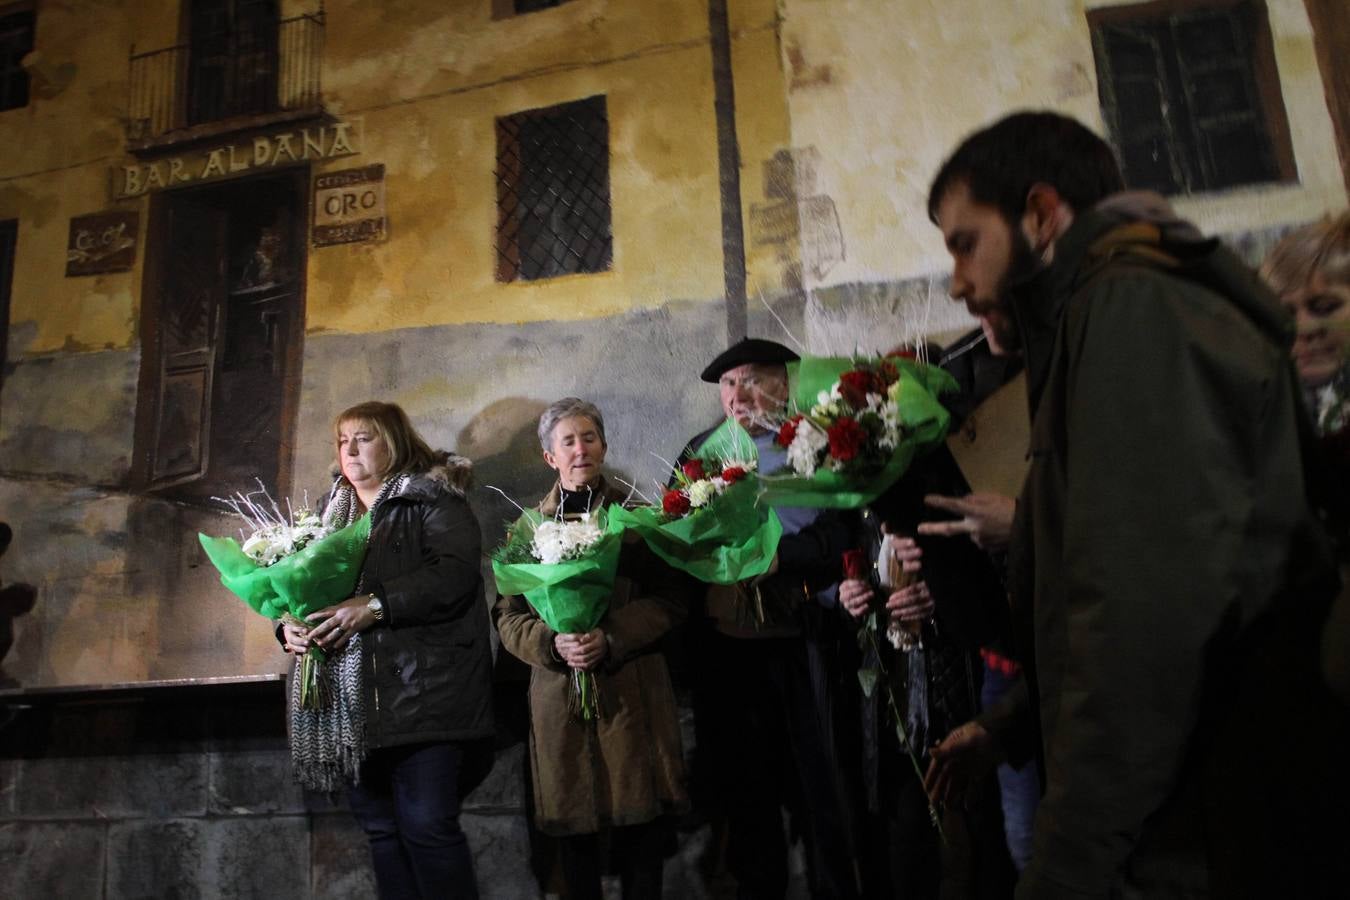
453	472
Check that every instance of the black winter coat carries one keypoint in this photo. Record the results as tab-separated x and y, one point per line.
428	665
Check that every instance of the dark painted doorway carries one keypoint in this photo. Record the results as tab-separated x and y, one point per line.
222	329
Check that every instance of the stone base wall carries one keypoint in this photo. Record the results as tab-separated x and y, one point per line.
187	792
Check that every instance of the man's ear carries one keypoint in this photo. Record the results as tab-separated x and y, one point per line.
1047	217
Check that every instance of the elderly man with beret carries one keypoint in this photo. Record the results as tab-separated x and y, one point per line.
762	677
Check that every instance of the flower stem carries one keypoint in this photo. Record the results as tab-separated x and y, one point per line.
905	742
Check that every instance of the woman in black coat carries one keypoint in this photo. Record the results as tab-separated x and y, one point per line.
409	656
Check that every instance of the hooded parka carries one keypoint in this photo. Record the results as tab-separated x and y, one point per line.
1170	575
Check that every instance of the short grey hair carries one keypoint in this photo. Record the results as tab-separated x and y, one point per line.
566	408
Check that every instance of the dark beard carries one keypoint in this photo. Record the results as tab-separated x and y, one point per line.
1023	266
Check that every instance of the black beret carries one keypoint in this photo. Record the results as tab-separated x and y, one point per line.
747	350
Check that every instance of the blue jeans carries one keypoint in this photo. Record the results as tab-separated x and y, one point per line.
408	805
1020	789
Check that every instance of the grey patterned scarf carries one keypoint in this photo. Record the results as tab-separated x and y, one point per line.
328	744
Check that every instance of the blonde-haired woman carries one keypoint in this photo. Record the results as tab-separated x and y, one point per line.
1310	271
410	651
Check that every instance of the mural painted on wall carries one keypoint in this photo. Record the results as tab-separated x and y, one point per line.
102	242
797	220
349	206
223	337
288	148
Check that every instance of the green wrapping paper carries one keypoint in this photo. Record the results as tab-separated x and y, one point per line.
924	424
728	442
729	540
570	596
319	575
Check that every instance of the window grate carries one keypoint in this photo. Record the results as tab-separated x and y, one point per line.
553	204
232	66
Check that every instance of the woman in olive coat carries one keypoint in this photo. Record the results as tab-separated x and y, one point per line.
619	776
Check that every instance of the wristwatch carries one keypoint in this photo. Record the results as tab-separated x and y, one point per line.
376	607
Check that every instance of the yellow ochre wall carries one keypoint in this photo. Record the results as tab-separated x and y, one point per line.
885	89
426	81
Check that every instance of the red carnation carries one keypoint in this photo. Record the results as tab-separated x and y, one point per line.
693	469
846	438
855	565
733	474
853	388
675	503
787	432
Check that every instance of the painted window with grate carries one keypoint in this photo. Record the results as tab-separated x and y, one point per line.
1190	94
16	42
232	62
553	211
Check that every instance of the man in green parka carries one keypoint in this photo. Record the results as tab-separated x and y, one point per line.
1168	570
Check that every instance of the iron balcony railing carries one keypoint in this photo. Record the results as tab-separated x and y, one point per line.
244	74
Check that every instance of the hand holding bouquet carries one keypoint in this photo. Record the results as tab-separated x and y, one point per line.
565	569
289	566
873	672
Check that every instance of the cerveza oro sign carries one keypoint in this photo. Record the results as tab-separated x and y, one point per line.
231	160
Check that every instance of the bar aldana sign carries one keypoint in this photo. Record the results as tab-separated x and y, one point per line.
318	142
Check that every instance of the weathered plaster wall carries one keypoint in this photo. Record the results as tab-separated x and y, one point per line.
58	150
71	416
124	593
481	388
884	89
439	264
418	318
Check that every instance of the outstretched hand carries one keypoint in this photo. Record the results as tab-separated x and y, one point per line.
962	758
986	518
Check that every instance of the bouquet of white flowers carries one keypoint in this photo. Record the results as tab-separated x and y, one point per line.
279	539
289	566
565	569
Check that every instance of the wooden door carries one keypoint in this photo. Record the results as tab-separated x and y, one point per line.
190	302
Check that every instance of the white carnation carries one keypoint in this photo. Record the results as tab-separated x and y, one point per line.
555	541
805	448
700	492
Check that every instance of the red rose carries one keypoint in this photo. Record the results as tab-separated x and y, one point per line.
846	438
787	432
732	474
853	388
675	503
855	565
888	372
693	469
